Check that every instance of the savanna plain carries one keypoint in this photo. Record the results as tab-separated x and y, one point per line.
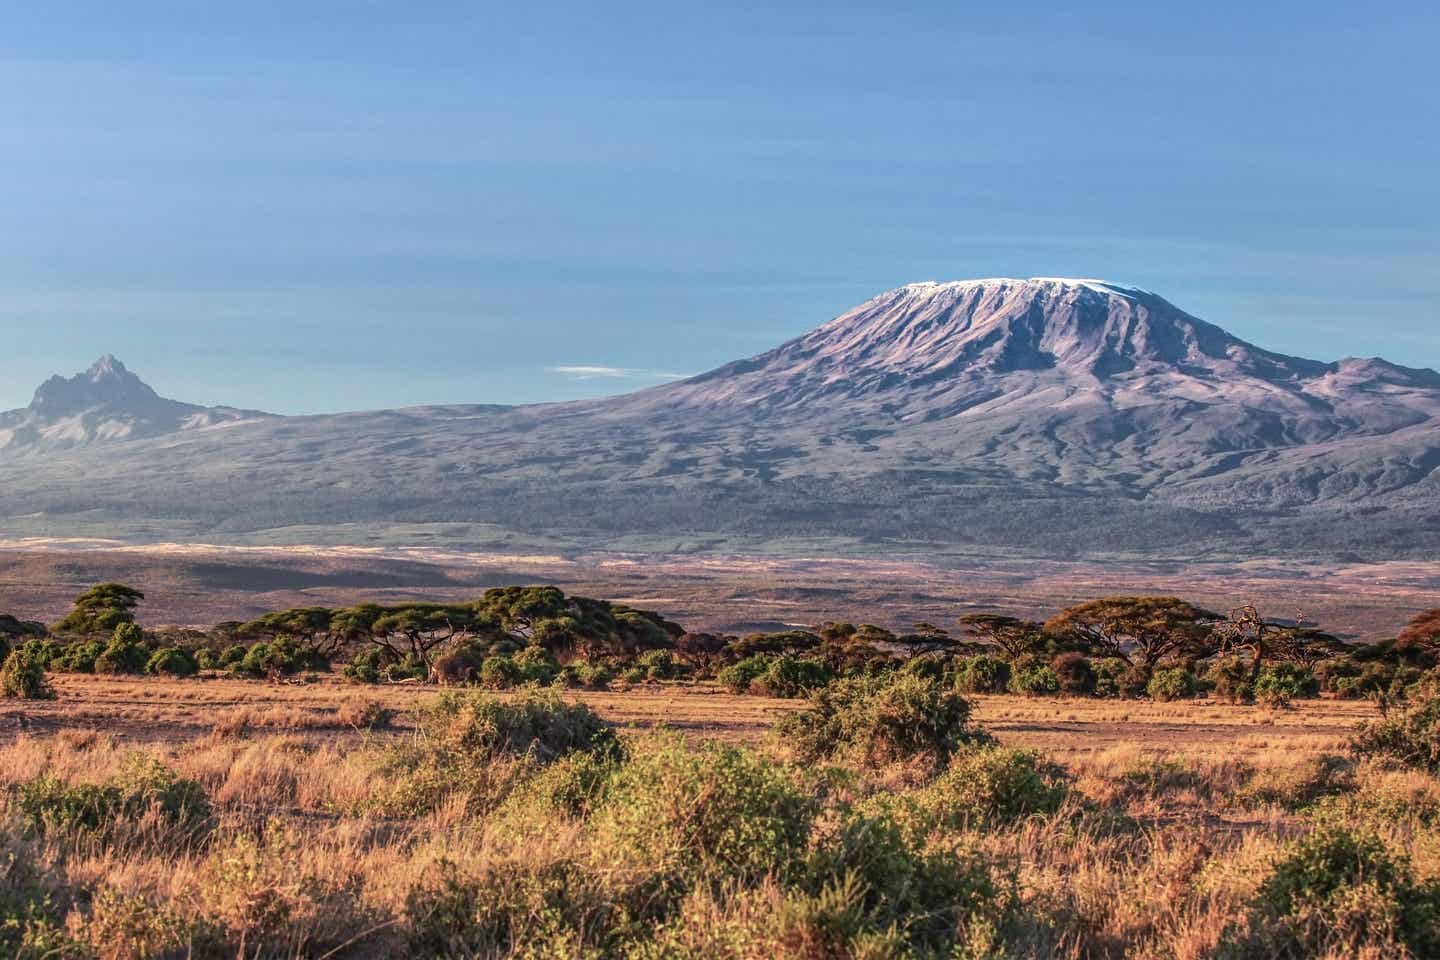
591	788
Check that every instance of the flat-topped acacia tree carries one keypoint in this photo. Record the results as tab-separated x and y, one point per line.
1139	630
1013	637
1423	631
101	609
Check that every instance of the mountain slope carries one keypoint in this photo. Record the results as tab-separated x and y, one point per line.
106	402
1047	417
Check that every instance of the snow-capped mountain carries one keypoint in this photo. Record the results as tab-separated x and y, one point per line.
1041	416
106	402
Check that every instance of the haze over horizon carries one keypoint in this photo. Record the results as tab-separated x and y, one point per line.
357	207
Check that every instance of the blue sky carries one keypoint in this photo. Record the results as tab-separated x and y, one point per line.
323	205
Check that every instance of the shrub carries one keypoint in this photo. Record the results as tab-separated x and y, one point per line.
738	676
232	656
982	674
984	786
282	655
143	785
1035	681
714	813
207	659
1108	674
364	714
78	656
1229	678
500	673
536	665
1299	785
570	786
1133	681
866	883
172	661
1171	683
790	676
22	675
365	666
1342	893
660	665
125	653
1280	683
1075	673
1410	738
474	728
877	721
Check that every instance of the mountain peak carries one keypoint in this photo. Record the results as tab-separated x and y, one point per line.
107	367
106	384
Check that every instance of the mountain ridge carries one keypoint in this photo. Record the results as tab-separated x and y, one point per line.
1046	416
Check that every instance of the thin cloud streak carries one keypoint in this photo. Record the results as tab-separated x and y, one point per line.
586	372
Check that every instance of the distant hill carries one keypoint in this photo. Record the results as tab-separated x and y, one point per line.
1046	417
106	402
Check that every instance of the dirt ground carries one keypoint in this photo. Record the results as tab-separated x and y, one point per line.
149	710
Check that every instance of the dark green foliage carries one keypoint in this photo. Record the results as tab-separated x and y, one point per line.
282	655
1012	637
78	656
1279	683
878	721
101	609
1171	683
1109	674
738	676
1034	680
143	785
561	624
660	665
1339	891
500	673
233	655
982	674
1229	678
1075	673
22	675
790	676
207	659
790	641
172	661
126	652
1410	738
537	665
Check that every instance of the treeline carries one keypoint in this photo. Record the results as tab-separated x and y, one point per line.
1160	647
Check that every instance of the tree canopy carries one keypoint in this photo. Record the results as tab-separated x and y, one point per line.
1423	631
101	609
1141	630
1012	636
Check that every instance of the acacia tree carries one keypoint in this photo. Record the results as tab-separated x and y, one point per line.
928	640
101	609
1422	632
1246	629
1013	637
313	627
1139	630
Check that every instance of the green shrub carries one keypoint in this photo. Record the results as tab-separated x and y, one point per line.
281	655
536	665
738	676
473	728
125	653
880	720
172	661
1340	892
232	655
1171	683
1075	673
1108	675
366	666
570	786
1229	678
983	786
789	676
982	674
22	675
714	813
1410	738
143	785
207	659
1279	683
78	656
660	665
500	673
867	885
1035	681
634	675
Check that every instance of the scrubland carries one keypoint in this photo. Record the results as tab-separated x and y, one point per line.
224	818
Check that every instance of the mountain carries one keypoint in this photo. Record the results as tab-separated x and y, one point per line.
1044	417
106	402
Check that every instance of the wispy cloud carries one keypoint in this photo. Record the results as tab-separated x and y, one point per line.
586	372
